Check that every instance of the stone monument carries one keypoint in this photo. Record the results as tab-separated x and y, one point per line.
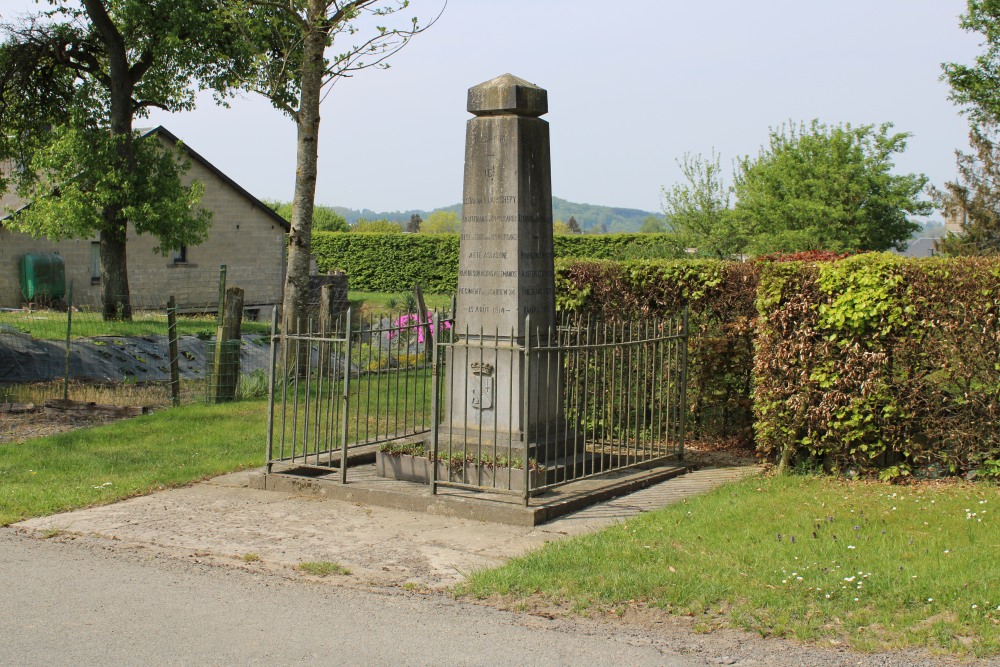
506	271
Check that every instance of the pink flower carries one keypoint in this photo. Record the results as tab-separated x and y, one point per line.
410	320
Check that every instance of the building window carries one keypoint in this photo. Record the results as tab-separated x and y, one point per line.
95	262
181	255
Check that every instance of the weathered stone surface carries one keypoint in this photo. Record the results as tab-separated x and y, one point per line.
507	94
506	269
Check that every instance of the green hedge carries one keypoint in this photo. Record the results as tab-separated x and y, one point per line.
395	262
880	362
720	297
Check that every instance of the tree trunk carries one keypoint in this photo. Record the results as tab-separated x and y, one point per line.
114	272
114	265
296	296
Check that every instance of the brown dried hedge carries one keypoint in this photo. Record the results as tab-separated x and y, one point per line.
879	362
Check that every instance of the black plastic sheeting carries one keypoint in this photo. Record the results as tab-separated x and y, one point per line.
115	359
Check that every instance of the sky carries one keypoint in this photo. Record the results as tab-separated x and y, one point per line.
632	87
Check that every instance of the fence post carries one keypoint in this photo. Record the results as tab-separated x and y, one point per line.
346	397
270	388
684	380
526	405
222	294
435	399
69	331
175	369
226	369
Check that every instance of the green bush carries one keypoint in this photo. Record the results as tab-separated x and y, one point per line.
720	297
395	262
880	362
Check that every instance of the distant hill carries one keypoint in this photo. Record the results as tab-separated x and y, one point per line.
590	217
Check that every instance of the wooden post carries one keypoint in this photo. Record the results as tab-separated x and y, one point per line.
226	368
175	364
331	305
69	333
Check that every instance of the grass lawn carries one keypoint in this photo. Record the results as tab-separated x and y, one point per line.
383	302
869	564
104	464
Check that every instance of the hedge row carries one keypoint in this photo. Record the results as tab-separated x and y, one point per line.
720	297
395	262
880	362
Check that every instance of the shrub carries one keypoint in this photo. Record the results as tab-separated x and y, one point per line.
880	362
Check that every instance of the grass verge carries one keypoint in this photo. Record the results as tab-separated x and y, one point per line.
108	463
868	564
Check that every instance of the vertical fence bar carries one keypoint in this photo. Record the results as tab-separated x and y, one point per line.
683	397
525	417
69	332
347	402
435	400
273	354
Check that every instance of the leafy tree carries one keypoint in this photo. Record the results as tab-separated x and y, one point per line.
413	226
560	227
73	80
325	218
653	225
977	87
573	226
296	75
441	222
827	188
383	226
698	212
974	198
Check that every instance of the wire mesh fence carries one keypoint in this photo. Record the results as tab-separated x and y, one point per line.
69	350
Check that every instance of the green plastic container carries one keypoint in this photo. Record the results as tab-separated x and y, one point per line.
43	277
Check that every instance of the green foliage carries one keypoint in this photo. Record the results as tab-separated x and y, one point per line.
653	225
325	218
720	298
395	262
71	188
830	188
391	262
363	226
441	222
73	80
974	197
698	212
879	362
975	87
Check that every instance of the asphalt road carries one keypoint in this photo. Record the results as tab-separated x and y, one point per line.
70	604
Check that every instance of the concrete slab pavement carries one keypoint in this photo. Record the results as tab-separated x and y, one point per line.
223	521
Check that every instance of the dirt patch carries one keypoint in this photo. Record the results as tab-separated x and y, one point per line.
16	428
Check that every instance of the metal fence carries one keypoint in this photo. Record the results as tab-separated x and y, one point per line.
355	384
71	352
586	398
478	410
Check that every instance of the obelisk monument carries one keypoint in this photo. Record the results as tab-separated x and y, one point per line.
506	270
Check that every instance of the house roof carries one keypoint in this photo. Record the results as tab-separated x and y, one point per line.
194	155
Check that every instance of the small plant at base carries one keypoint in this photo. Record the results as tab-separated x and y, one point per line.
322	568
250	558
